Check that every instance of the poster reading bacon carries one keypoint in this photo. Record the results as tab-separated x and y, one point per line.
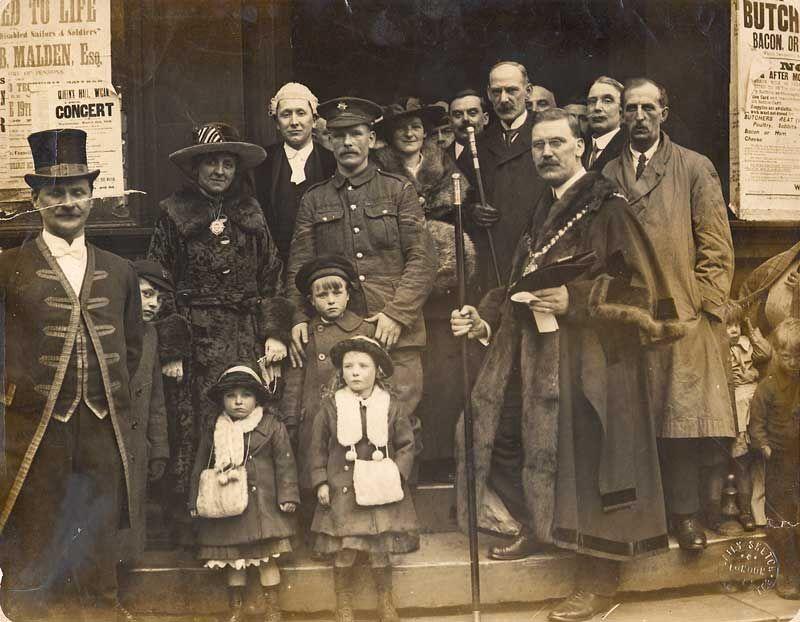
765	110
56	53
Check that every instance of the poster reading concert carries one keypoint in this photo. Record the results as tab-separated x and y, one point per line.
55	71
765	110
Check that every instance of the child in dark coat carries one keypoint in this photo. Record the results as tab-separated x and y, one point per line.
775	431
361	421
248	432
326	282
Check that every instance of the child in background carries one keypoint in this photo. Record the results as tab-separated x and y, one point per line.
743	359
326	282
148	418
775	431
361	421
247	431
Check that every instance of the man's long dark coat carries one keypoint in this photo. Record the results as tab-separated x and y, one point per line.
590	470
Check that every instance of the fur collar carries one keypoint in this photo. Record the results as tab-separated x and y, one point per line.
191	211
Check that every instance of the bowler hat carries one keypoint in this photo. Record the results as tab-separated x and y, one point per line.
324	265
58	155
215	138
370	346
239	375
155	273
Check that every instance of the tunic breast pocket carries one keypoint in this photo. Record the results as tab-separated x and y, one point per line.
329	228
382	224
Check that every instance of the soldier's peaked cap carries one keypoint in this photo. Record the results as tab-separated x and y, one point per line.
349	111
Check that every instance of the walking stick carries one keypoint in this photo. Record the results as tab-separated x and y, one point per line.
473	147
472	511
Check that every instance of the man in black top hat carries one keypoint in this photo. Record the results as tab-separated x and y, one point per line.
374	219
73	335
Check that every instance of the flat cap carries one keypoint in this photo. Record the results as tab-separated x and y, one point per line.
324	265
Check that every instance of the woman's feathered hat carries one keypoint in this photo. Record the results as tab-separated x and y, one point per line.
215	138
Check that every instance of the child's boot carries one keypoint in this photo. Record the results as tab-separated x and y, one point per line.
272	612
383	586
343	584
235	604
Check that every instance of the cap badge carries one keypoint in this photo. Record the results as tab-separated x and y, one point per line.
342	106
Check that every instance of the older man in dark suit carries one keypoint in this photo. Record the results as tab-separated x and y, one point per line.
513	186
73	336
604	110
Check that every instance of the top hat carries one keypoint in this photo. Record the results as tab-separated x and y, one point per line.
215	138
349	111
58	155
394	113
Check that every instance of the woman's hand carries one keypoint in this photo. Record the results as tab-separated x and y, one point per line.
173	369
274	351
288	507
324	495
553	300
467	322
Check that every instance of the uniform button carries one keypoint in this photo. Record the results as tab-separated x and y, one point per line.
356	230
353	206
361	277
325	218
349	187
344	490
386	211
320	328
321	356
359	255
253	489
346	467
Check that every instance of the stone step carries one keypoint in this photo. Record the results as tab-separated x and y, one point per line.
435	577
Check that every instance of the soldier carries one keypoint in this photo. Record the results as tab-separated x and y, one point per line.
373	218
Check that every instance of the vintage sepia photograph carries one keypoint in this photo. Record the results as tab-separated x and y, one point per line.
382	310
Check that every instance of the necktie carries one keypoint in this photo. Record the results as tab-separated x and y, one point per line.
593	156
509	136
640	166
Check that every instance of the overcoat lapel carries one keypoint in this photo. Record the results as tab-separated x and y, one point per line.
650	179
520	146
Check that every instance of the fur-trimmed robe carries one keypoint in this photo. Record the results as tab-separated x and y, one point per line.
590	469
228	294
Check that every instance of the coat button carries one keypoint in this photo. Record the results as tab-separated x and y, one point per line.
353	206
321	356
386	211
361	277
359	255
346	467
253	489
356	230
320	328
134	425
349	187
344	490
325	218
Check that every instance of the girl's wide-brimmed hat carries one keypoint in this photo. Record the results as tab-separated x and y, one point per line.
368	345
239	375
394	113
215	138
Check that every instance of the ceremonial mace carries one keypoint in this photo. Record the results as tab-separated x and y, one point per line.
472	511
473	147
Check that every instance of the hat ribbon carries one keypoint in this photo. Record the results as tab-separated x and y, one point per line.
243	369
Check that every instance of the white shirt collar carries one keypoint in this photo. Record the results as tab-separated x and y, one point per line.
303	152
601	142
415	169
559	192
55	243
516	123
459	149
647	154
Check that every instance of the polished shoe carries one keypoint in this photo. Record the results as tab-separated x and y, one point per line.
580	605
691	535
748	522
524	546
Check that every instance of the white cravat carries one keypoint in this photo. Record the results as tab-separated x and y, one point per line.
297	160
71	258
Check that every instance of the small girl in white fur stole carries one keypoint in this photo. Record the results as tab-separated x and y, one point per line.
248	432
361	455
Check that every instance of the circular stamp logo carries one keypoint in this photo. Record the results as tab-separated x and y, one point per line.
748	564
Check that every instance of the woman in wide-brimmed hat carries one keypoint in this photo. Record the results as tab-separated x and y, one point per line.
212	237
411	151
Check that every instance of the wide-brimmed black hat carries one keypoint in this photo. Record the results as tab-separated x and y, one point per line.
239	375
370	346
324	265
215	138
58	155
394	113
155	273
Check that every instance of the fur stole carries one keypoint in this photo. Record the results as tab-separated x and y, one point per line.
192	211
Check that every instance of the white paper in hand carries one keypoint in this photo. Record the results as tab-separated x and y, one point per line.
545	322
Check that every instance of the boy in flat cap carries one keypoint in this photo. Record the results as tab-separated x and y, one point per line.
73	338
374	219
294	163
326	282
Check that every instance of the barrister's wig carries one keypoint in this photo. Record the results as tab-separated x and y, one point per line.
367	345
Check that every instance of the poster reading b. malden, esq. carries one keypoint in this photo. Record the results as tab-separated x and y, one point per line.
765	109
55	71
